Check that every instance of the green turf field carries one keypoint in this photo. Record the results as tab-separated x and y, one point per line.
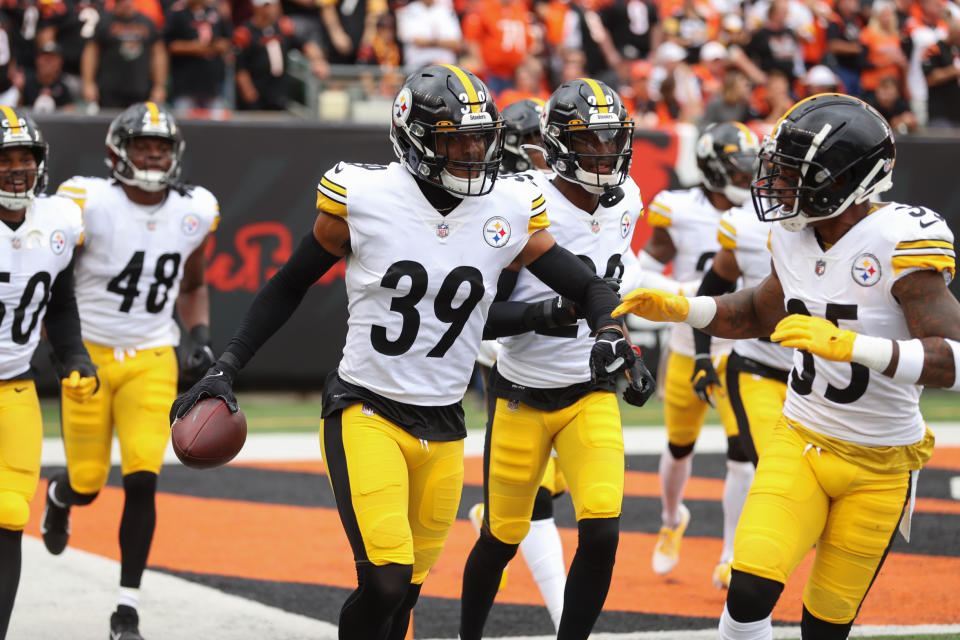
301	412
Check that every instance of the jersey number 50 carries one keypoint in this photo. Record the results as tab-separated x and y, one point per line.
18	333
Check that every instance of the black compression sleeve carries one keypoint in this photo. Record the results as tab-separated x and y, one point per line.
505	319
711	285
566	274
278	299
62	320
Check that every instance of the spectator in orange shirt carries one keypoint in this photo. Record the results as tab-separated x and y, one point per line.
528	81
499	33
711	69
881	39
636	96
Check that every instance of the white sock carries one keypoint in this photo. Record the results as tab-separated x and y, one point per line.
129	597
673	478
543	553
730	629
735	489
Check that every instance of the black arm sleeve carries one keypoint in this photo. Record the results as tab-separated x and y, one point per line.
711	285
566	274
278	299
63	320
505	318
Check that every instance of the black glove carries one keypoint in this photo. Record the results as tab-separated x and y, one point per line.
640	382
704	376
549	314
196	355
217	383
611	353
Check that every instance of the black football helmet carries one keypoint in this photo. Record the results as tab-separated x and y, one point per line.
521	121
143	120
447	130
826	153
588	135
727	159
17	129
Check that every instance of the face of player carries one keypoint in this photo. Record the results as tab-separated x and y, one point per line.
598	149
18	170
462	148
150	154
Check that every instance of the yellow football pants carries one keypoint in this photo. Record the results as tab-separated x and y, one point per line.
588	438
397	495
21	438
803	496
757	404
553	480
136	391
683	411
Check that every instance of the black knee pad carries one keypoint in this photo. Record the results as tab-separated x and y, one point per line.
751	597
66	495
494	549
140	484
736	451
680	451
599	538
542	505
384	587
813	628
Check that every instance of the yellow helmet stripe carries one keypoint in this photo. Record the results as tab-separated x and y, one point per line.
748	135
467	86
598	93
154	112
12	118
539	102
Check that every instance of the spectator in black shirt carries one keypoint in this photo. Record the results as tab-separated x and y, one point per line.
941	66
125	62
892	106
775	46
69	23
634	27
349	27
843	41
197	40
262	45
44	90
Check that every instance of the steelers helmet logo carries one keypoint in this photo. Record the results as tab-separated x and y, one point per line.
58	241
866	270
402	105
190	224
496	231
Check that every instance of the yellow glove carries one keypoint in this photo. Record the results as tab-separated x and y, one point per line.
815	335
80	389
655	305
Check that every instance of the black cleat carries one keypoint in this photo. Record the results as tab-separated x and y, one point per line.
56	520
123	624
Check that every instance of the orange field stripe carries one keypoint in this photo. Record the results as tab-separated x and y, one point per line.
944	458
307	545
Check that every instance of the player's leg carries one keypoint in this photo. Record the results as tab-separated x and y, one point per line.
866	509
590	454
784	514
541	547
436	482
21	437
370	480
683	414
141	408
87	438
515	457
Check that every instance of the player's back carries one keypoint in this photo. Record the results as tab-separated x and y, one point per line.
850	283
131	266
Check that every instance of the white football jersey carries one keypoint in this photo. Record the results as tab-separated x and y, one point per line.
691	220
742	232
131	265
30	260
850	284
560	357
420	284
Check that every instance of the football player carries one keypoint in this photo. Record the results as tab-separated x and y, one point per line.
425	241
38	236
756	368
685	225
546	397
860	291
142	260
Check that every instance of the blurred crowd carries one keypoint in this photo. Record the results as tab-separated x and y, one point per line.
696	61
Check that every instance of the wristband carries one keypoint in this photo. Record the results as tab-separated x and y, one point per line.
910	362
955	347
702	311
702	356
872	352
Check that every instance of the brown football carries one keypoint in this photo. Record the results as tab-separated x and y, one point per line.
208	435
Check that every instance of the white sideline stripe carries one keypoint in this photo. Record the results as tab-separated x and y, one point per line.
787	633
261	447
955	487
73	595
